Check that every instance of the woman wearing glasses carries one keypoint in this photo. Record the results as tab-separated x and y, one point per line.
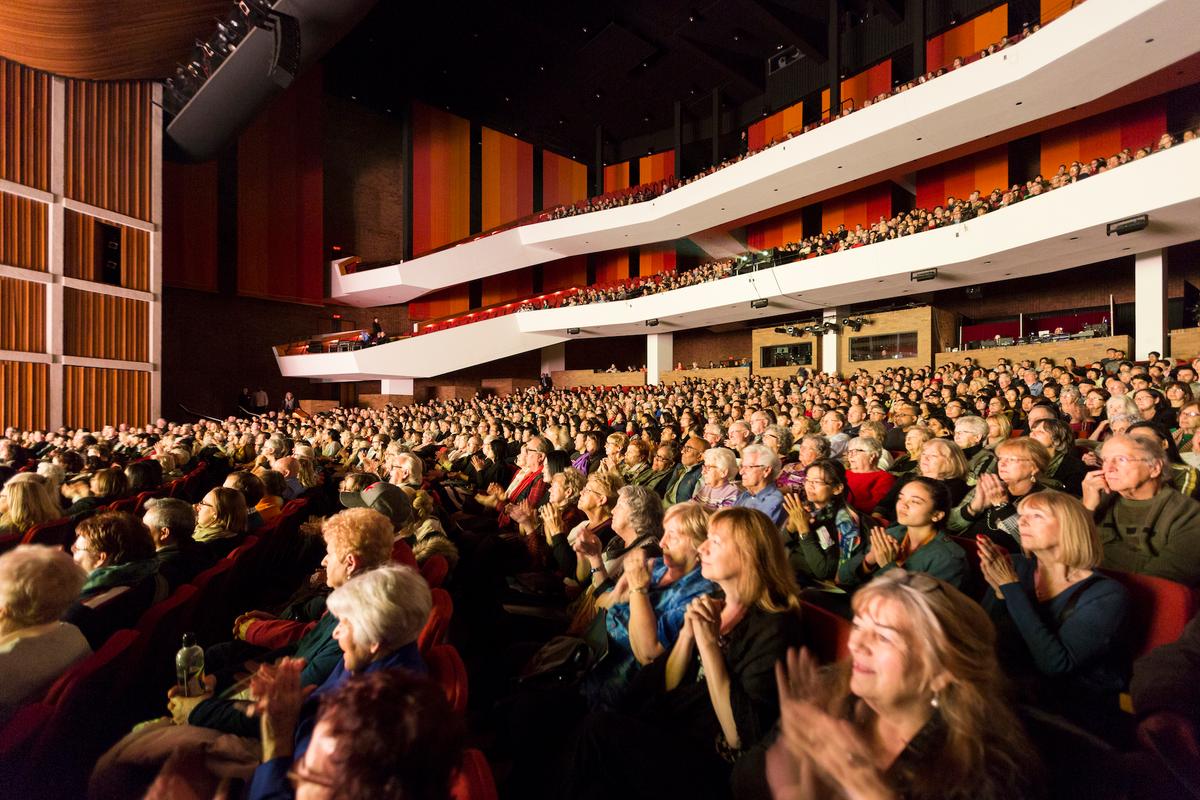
827	532
867	483
717	489
1060	623
918	711
990	509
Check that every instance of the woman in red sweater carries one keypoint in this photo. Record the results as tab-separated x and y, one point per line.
866	483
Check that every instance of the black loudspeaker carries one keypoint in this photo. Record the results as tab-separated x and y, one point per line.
107	266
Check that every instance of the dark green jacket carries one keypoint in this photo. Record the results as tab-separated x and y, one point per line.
939	557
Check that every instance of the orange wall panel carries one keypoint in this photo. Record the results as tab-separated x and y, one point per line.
25	134
103	326
775	231
776	126
616	177
966	39
656	167
108	146
441	173
190	225
97	396
863	207
443	303
984	171
24	233
507	179
612	266
25	395
22	316
280	211
653	259
863	86
564	273
512	285
563	181
1103	135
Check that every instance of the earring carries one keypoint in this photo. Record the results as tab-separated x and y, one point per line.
934	701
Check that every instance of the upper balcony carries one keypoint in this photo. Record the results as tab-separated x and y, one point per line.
1062	229
1067	64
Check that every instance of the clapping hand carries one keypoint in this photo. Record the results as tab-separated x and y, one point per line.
799	519
995	564
551	520
884	549
521	513
636	570
587	545
704	615
278	696
990	491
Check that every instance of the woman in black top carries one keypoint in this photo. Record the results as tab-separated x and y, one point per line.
713	695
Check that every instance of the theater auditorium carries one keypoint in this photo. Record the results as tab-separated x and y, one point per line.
731	399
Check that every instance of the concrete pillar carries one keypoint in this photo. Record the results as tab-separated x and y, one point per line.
1150	302
554	358
396	386
660	355
830	343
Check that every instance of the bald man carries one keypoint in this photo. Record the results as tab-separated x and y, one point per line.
289	467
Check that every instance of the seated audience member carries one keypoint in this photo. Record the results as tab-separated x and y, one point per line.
380	615
1060	623
596	501
647	605
811	448
636	469
1065	467
991	507
37	585
104	486
424	532
115	550
682	486
717	489
25	502
614	453
274	488
941	460
251	487
917	711
663	466
563	502
866	483
1185	434
144	476
1165	690
870	429
1145	524
823	530
220	522
914	440
637	520
713	695
917	542
759	469
1183	476
172	524
970	434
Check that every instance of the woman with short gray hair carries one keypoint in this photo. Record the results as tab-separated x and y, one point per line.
637	521
380	611
37	586
866	483
717	489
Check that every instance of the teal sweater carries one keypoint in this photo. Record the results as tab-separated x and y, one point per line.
939	557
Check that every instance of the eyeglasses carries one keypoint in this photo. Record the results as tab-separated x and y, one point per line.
1012	459
687	448
754	466
1119	461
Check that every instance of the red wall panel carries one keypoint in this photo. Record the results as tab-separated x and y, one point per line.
281	198
966	39
444	303
441	178
776	126
563	181
564	273
507	179
863	86
773	232
190	225
656	258
516	284
656	167
862	207
612	266
1104	135
984	171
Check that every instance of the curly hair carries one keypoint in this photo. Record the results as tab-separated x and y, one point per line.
397	737
362	531
120	535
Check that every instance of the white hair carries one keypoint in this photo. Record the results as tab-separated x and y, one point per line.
38	584
723	459
388	605
974	425
766	457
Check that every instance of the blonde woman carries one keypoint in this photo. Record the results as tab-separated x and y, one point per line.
990	508
220	521
24	503
614	452
425	534
1061	623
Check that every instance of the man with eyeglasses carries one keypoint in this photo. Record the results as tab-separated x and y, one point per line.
1145	525
683	485
904	416
760	467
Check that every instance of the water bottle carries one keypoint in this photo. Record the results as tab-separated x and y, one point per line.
189	667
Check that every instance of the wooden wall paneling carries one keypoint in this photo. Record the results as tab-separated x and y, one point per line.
910	320
24	233
80	252
104	326
564	181
564	273
22	316
108	135
24	395
97	396
507	179
190	225
25	134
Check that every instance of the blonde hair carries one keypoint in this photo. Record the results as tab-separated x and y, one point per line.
1032	449
618	439
693	519
609	483
229	510
362	531
1003	426
573	483
1078	542
953	454
766	580
29	502
422	507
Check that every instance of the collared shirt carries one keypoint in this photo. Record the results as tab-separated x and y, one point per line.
769	501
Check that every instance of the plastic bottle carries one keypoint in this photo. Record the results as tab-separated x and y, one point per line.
189	667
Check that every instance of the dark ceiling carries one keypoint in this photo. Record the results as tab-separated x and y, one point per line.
551	71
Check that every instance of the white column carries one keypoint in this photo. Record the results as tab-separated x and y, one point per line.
156	249
554	358
660	354
830	343
1150	302
55	230
403	386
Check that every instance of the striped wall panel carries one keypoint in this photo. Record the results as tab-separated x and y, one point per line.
98	396
1104	135
441	169
616	177
25	134
564	273
505	286
507	179
984	171
190	225
966	38
22	316
653	259
776	231
24	395
108	153
24	233
861	87
656	167
564	181
863	207
80	256
103	326
444	303
612	266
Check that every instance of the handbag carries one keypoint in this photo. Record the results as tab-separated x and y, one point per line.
561	661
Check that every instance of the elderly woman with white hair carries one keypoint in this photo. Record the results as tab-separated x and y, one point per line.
637	521
866	483
37	585
380	614
1145	524
1117	406
971	435
717	489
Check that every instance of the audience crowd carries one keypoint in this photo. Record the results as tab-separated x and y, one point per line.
640	576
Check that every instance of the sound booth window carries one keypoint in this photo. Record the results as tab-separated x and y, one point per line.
788	355
883	346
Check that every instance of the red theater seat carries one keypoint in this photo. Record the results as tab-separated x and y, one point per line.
474	780
1161	608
